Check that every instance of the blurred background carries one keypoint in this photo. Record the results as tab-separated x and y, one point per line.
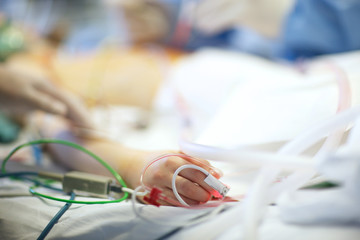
113	53
119	52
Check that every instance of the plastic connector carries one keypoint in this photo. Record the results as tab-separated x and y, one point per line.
220	189
153	197
87	183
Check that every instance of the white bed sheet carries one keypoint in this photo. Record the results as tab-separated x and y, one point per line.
25	217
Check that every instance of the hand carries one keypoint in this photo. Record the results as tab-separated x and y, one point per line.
20	94
189	183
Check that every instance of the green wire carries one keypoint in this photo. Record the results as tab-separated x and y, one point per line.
78	147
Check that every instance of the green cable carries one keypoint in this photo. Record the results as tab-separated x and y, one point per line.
78	147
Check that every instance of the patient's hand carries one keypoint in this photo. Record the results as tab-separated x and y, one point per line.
189	183
129	163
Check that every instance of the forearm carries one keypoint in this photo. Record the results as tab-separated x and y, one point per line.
128	162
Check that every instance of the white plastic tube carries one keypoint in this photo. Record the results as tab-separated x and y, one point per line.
315	134
176	173
245	157
296	147
257	200
354	136
283	157
297	179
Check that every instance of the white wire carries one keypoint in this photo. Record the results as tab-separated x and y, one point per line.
176	173
354	136
132	192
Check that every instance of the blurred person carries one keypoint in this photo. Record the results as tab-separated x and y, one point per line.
166	22
284	29
291	29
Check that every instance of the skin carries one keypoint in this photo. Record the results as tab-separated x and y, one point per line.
130	163
21	94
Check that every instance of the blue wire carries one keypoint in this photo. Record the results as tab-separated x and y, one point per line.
37	153
38	183
17	174
20	175
56	218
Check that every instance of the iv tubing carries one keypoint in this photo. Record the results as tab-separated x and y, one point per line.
298	178
247	157
314	134
354	136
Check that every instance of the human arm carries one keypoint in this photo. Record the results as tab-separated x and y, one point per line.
129	163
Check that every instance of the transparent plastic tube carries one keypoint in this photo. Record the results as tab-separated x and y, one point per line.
257	158
334	128
257	200
297	146
315	134
297	179
344	102
354	136
245	157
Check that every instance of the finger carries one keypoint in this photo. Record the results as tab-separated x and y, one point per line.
191	190
172	200
204	164
197	177
168	198
76	110
191	182
44	102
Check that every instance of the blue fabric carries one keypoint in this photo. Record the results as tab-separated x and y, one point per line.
313	27
197	39
317	27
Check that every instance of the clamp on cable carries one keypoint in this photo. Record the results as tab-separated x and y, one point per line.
84	183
